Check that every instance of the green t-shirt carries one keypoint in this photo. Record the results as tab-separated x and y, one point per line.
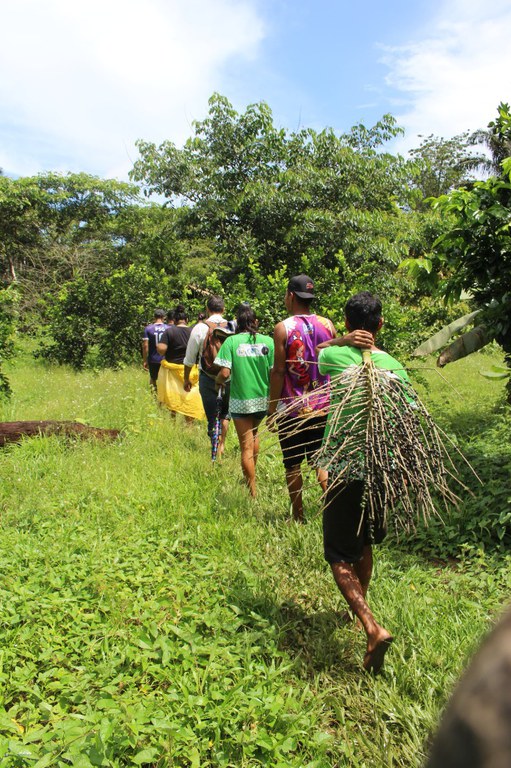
334	360
337	362
250	363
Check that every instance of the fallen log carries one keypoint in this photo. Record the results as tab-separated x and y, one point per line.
13	431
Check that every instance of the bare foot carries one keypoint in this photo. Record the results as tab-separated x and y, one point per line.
376	650
294	519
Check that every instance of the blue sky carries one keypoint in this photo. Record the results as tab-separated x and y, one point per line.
81	81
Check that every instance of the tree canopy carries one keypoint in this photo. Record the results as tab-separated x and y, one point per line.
247	204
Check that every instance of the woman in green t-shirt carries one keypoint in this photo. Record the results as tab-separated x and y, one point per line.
247	357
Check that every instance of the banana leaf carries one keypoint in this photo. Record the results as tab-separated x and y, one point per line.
440	339
467	343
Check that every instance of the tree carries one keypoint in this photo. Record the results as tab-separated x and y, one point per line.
54	227
496	138
272	203
441	165
474	254
264	194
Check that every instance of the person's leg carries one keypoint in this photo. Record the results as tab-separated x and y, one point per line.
294	482
351	560
208	396
255	446
223	435
293	452
378	638
313	438
322	476
247	436
364	568
224	416
154	369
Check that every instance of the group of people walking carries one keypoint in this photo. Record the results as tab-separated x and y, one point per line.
285	378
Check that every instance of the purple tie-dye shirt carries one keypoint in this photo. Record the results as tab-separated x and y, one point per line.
302	379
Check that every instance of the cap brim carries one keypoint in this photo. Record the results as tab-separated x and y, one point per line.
302	295
222	332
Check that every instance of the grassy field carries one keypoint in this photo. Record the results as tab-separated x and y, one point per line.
151	614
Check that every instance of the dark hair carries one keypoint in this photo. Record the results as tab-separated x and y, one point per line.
201	316
180	313
246	321
170	316
159	313
215	304
363	312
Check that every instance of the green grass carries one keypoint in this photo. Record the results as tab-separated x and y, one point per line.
151	614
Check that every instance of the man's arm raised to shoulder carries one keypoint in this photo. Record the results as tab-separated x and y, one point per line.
278	371
360	339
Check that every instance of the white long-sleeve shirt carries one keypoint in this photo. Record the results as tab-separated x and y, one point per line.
196	340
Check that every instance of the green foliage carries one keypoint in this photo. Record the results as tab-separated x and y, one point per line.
148	619
8	304
464	404
272	197
254	204
99	322
475	253
441	165
497	138
483	520
55	227
440	339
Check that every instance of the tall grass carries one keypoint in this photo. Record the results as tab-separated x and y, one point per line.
152	614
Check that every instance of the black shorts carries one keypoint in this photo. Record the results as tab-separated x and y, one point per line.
300	438
344	537
154	369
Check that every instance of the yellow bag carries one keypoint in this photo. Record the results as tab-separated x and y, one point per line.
172	395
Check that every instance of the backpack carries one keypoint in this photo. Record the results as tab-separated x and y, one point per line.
215	336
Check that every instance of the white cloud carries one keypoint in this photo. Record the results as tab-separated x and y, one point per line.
81	81
453	79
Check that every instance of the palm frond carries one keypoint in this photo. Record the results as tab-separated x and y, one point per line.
380	432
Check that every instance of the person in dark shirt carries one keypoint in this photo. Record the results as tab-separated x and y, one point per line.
151	359
171	392
173	341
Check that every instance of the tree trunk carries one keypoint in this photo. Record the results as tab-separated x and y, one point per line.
13	431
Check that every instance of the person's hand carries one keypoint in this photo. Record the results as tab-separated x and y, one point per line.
187	385
359	338
271	422
145	366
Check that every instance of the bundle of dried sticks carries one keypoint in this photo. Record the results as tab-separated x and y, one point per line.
380	432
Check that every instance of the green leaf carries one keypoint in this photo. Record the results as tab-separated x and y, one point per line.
48	759
465	345
440	339
145	756
22	750
495	374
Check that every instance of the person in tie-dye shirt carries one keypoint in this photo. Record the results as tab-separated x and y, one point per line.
295	380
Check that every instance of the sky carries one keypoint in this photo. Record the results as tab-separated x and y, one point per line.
80	81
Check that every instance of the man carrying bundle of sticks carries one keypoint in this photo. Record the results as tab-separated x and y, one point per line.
352	521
